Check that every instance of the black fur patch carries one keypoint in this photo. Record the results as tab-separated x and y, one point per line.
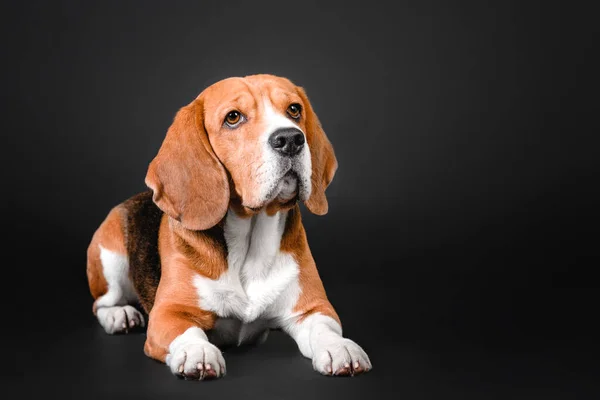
142	225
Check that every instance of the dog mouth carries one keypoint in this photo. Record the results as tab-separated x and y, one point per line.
289	189
286	190
286	182
291	179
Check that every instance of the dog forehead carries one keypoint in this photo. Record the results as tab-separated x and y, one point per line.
270	82
259	87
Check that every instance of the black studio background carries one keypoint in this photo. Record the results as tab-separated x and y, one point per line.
460	245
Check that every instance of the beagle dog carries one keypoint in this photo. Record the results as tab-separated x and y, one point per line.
214	253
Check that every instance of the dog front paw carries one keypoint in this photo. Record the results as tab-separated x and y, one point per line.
200	360
341	357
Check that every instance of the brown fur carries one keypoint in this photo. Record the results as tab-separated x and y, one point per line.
324	162
188	181
176	307
312	298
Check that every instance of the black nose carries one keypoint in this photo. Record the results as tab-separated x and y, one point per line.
287	141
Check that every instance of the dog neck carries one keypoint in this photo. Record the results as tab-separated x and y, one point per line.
252	242
248	244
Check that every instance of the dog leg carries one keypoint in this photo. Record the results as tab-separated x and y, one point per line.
176	338
319	337
108	277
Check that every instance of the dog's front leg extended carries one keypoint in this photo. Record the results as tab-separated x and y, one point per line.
319	337
314	323
176	336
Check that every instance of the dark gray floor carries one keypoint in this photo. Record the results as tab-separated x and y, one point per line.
417	352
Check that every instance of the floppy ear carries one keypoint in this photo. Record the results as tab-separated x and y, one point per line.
324	163
188	180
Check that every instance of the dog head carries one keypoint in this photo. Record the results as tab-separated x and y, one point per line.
251	143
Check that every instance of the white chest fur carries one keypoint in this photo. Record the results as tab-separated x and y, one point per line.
261	282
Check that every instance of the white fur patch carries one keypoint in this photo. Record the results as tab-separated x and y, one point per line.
111	309
261	282
275	119
191	354
115	269
320	337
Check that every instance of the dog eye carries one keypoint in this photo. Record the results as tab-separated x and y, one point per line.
233	118
294	111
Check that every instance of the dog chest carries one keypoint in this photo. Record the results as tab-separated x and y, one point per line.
261	281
